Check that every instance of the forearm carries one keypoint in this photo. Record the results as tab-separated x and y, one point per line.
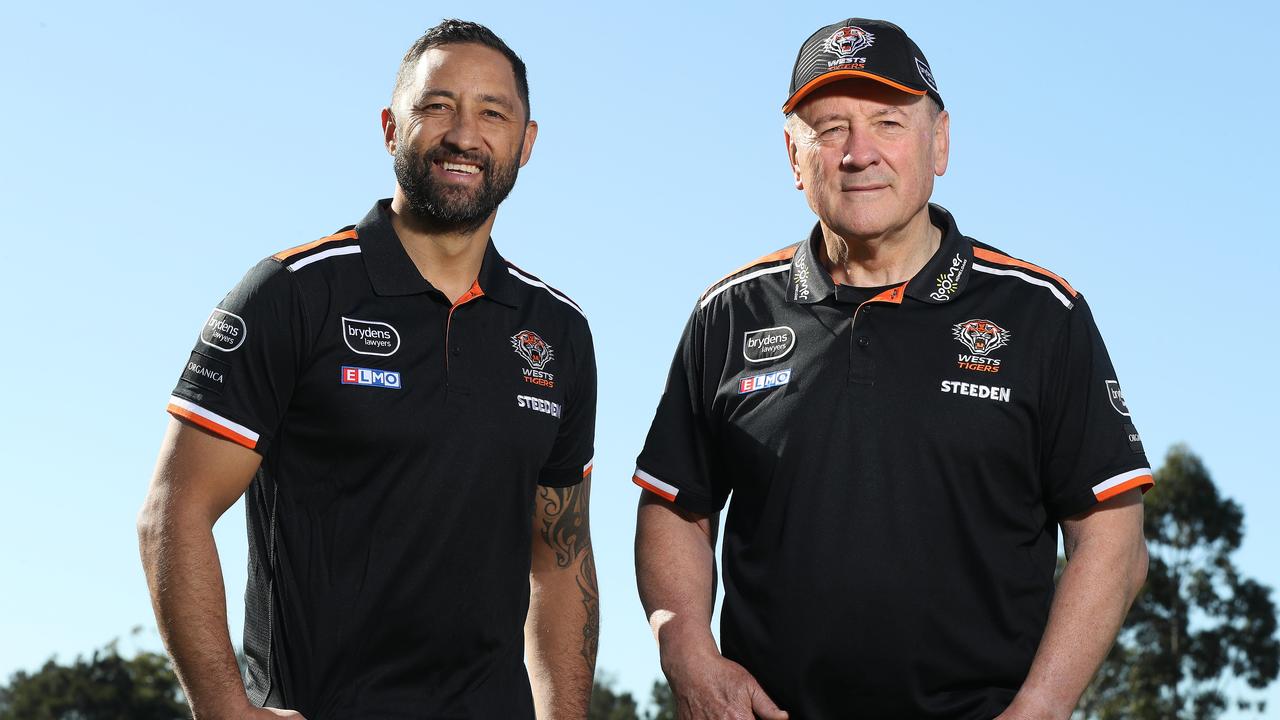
1093	596
561	636
563	626
185	579
675	573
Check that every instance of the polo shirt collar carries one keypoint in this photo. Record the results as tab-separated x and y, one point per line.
940	280
392	272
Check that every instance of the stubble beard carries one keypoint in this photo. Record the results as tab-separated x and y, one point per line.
453	209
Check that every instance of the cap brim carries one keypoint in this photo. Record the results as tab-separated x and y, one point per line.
830	77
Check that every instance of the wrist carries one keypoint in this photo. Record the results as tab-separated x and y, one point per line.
1029	706
680	642
234	707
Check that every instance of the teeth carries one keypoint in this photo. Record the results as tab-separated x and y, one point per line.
459	167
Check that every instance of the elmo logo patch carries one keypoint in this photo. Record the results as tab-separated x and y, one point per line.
370	377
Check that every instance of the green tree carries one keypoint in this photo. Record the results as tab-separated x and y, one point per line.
608	704
662	701
1199	627
104	686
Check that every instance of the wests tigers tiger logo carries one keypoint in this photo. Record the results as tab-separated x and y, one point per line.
980	336
532	348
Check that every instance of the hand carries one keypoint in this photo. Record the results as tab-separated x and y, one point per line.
270	714
709	687
1024	710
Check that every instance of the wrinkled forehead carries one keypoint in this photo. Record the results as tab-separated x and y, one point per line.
464	69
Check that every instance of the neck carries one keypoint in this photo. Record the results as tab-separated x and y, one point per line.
886	259
449	259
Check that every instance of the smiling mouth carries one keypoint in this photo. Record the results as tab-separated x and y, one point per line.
458	168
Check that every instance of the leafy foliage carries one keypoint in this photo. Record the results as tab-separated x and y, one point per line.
1199	627
105	686
608	704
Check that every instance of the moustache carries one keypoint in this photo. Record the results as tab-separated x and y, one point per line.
441	153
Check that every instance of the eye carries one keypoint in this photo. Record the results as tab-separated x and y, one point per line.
890	124
435	107
494	114
833	131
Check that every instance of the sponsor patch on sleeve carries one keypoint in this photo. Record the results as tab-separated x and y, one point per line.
1116	396
206	372
223	331
1135	440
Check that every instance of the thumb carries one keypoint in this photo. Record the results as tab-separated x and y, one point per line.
764	707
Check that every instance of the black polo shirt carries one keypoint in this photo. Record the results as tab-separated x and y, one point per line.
898	464
402	438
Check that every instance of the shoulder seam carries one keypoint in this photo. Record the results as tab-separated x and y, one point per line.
777	261
992	256
303	255
535	281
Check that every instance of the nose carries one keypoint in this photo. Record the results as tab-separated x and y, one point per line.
860	151
464	132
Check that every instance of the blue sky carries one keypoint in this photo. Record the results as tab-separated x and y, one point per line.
151	152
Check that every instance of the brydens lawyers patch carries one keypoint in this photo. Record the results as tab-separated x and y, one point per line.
759	346
223	331
370	337
1116	396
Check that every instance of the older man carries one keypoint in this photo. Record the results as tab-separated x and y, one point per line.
411	420
901	418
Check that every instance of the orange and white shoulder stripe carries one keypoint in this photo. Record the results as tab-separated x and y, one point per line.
586	469
776	262
528	279
296	258
993	262
213	422
655	486
1125	481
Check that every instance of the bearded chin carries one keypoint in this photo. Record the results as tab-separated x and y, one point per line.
451	209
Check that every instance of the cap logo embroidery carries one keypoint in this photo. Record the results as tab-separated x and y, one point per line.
980	336
846	43
926	74
530	346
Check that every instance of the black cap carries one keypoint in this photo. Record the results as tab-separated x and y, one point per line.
857	47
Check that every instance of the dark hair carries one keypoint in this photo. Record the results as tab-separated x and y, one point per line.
451	31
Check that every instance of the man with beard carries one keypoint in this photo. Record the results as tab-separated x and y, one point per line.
411	419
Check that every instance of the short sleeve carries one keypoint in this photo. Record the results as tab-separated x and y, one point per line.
1091	449
241	373
679	461
571	456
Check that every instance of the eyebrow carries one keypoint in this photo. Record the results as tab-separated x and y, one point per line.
491	99
891	110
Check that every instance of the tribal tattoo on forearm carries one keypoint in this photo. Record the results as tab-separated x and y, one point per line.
566	531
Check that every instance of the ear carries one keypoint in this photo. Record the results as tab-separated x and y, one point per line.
389	130
941	143
791	157
530	135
